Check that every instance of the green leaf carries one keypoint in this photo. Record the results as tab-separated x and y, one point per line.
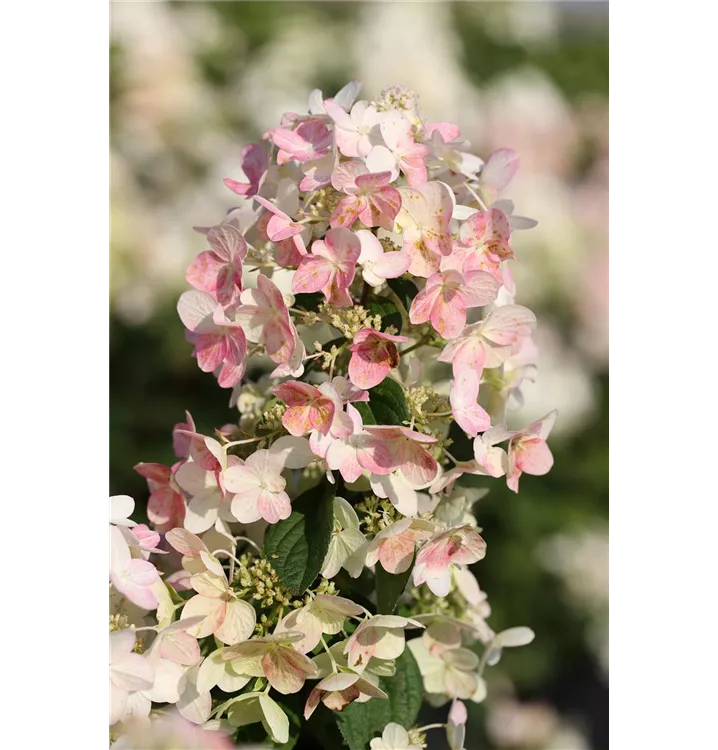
365	411
309	301
389	587
361	722
404	289
386	404
390	315
297	546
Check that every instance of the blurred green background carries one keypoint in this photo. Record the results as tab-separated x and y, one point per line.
191	82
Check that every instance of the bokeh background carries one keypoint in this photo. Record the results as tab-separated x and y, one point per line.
191	82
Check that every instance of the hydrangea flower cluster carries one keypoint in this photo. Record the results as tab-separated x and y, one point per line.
359	305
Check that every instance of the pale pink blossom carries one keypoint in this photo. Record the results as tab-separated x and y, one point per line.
222	613
166	507
488	233
215	671
398	490
318	173
374	355
274	657
354	132
449	150
463	396
330	267
147	540
377	265
384	449
529	452
338	690
490	459
462	545
344	98
423	220
393	547
294	366
381	637
400	151
130	673
169	730
254	165
121	508
281	226
322	615
447	296
258	487
340	454
219	271
491	341
312	408
218	340
452	672
394	737
310	140
498	171
175	644
285	204
347	391
369	197
265	319
207	492
196	556
347	545
134	578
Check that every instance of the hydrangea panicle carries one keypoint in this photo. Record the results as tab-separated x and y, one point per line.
369	251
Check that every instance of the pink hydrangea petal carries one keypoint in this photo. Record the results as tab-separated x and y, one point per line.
313	274
347	212
273	507
534	457
211	349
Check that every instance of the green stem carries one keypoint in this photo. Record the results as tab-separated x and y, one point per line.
394	297
423	340
335	669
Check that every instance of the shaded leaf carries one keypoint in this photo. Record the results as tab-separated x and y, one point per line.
297	546
386	404
404	289
390	315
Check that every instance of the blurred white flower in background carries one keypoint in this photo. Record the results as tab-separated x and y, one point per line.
580	559
513	724
416	45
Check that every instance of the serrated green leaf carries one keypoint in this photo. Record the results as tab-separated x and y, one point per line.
359	723
389	587
390	315
297	546
404	289
386	405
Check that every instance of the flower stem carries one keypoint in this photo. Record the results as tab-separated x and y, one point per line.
244	442
430	726
335	669
482	205
423	340
249	541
